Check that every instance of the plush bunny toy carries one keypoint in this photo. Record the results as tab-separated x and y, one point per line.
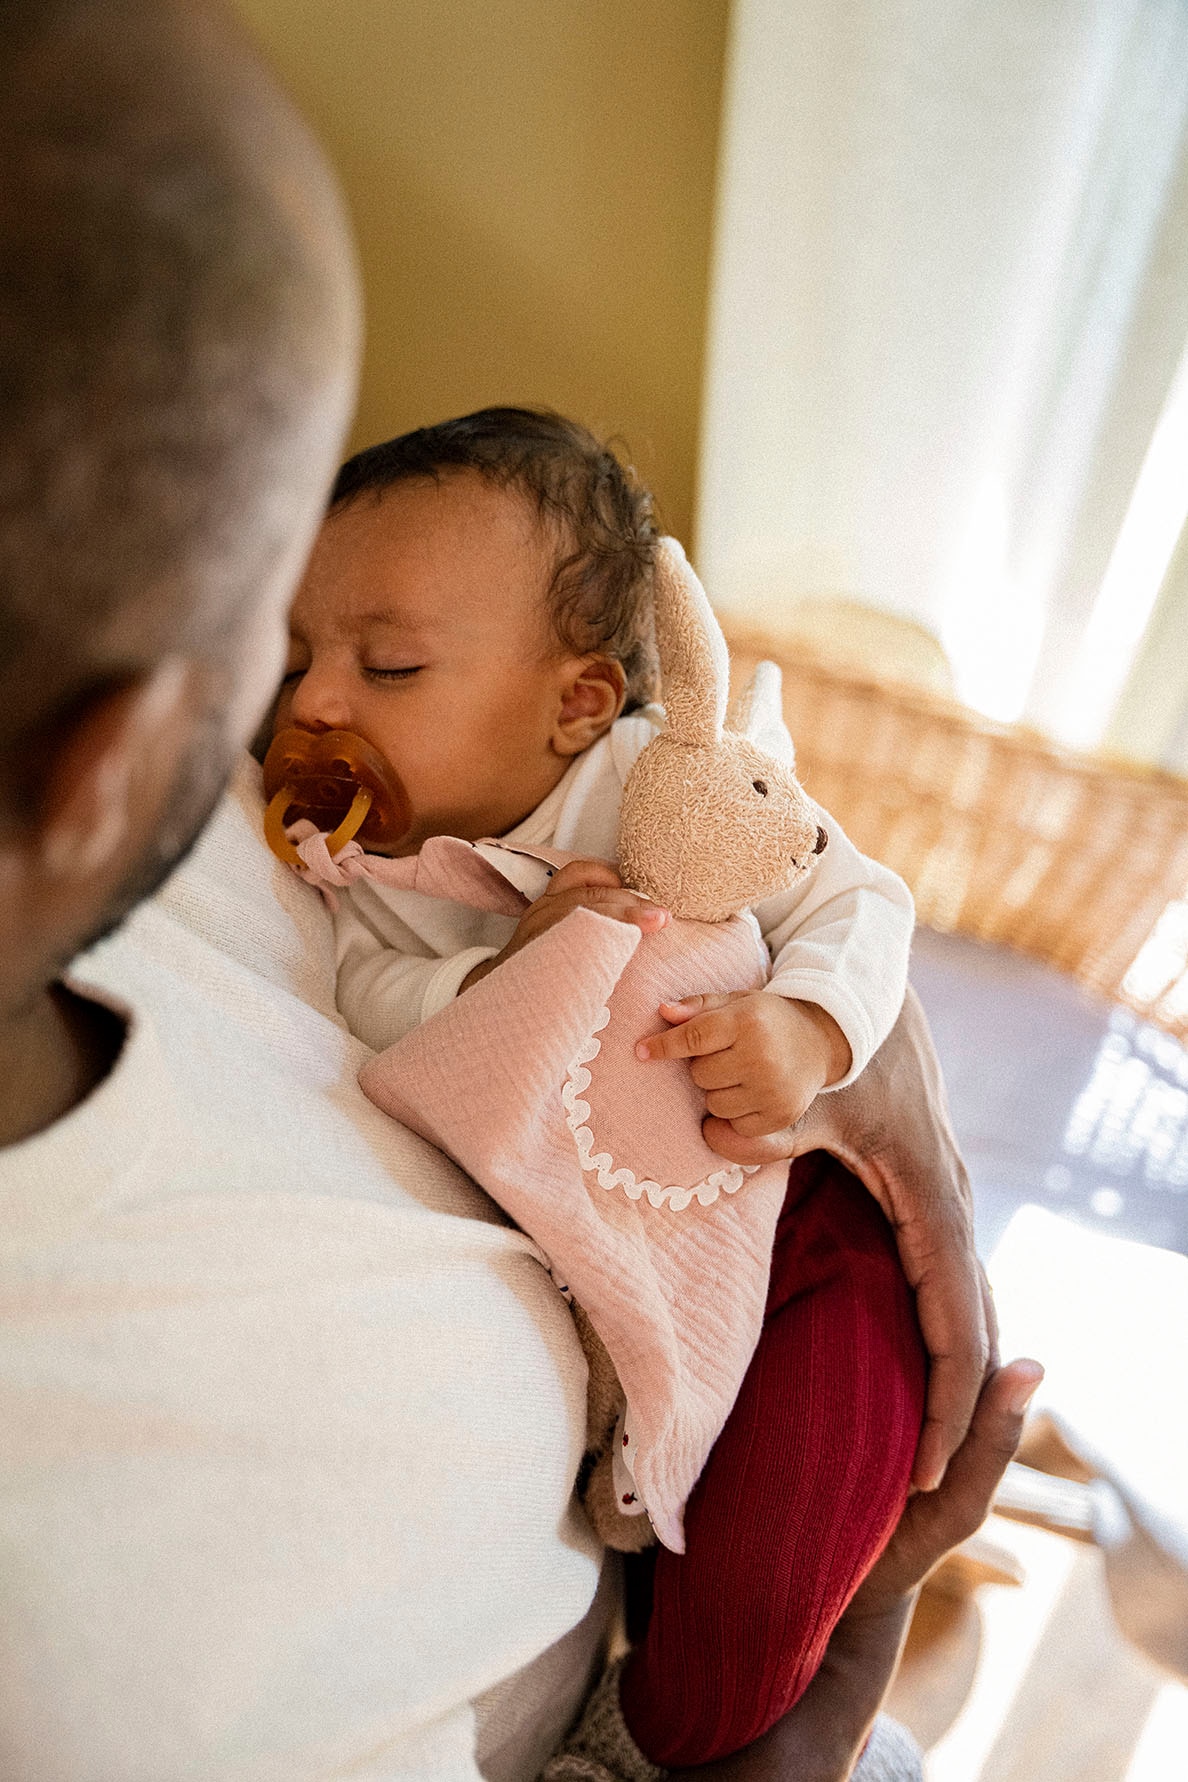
711	821
531	1082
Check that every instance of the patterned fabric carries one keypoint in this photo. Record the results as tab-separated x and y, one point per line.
667	1252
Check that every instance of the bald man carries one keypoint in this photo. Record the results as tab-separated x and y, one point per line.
290	1416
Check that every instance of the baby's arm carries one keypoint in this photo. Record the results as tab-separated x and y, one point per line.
840	940
581	884
384	992
386	989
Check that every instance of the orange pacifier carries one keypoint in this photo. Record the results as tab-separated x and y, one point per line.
339	783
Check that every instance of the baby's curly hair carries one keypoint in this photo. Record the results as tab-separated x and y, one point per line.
601	590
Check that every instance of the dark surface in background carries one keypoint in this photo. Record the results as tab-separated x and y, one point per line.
1058	1099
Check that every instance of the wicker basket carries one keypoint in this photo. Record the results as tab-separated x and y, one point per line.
1078	860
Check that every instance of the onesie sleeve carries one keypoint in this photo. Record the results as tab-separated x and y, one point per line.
841	938
383	993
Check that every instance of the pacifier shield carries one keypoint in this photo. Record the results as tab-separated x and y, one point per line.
338	782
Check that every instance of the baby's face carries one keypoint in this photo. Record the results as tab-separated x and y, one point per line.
422	626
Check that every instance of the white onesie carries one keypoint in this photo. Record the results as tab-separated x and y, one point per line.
839	937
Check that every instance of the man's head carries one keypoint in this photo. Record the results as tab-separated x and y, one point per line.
178	336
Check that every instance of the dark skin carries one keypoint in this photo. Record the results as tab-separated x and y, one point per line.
107	782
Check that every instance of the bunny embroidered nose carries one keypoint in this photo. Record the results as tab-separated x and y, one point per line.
339	783
822	842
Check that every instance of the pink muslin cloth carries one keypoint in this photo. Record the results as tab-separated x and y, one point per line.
530	1082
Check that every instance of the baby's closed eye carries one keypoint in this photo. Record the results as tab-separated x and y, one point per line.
393	674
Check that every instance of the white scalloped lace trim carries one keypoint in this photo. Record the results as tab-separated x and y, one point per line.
727	1180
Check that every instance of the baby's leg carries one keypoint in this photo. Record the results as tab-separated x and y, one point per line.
801	1491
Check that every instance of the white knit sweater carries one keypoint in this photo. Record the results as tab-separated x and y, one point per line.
290	1416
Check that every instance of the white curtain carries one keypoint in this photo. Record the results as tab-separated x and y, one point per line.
949	301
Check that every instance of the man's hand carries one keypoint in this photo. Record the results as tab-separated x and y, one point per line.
760	1058
582	884
891	1128
936	1521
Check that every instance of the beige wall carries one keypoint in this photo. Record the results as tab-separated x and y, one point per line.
531	183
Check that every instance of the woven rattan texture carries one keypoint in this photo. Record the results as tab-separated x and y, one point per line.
1000	834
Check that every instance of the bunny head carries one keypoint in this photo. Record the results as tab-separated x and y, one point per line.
711	820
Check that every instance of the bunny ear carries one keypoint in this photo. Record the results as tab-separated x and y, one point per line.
694	665
758	713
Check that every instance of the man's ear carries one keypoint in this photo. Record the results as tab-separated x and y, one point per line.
111	770
592	697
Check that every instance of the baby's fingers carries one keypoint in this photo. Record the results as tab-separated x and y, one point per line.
703	1033
730	1104
608	900
582	872
721	1137
700	1005
648	916
754	1126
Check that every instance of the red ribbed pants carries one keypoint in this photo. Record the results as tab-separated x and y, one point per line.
801	1491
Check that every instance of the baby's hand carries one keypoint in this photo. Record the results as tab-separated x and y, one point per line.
761	1058
582	884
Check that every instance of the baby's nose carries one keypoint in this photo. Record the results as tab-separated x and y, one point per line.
319	705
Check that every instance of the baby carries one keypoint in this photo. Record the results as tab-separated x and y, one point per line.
477	607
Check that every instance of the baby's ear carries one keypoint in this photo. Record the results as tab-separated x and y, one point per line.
591	699
758	714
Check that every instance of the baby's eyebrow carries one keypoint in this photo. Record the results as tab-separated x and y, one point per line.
391	618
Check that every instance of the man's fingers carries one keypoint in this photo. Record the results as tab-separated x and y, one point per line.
945	1421
941	1264
962	1503
990	1316
936	1521
953	1382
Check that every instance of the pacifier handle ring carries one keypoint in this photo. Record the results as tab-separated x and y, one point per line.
274	826
351	823
282	847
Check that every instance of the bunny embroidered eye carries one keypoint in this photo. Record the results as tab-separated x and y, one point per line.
760	787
